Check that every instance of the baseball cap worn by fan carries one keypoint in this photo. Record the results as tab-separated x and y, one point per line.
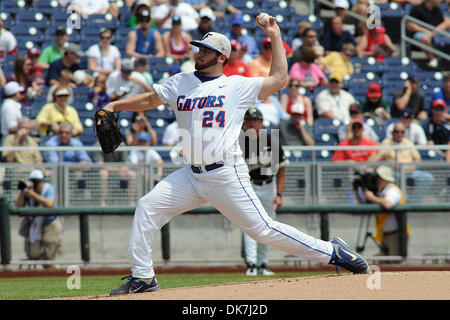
214	41
374	91
74	48
33	52
127	65
253	113
336	76
207	13
237	19
341	4
11	88
355	108
439	104
62	92
406	114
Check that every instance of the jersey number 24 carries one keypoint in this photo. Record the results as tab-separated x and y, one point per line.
209	117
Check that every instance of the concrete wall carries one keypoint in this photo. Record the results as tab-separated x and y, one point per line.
212	240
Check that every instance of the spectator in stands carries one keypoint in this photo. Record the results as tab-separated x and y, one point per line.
430	12
235	66
356	139
139	123
334	102
126	82
68	61
65	138
141	66
422	180
172	138
376	43
260	66
21	138
341	62
98	95
36	72
413	131
11	108
2	78
410	97
176	42
296	132
54	113
374	106
22	75
148	157
237	25
294	101
144	42
444	93
437	128
336	37
361	9
307	71
8	43
88	7
309	39
207	19
270	107
350	24
124	173
65	80
164	12
82	79
298	41
138	7
104	57
345	132
42	233
222	8
56	51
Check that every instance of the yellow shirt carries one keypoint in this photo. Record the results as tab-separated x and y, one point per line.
26	156
259	67
406	155
53	112
338	63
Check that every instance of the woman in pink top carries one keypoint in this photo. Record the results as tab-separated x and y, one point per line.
177	42
307	71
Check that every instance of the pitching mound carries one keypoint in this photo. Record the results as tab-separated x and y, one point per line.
424	285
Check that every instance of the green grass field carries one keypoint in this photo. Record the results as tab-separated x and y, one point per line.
56	287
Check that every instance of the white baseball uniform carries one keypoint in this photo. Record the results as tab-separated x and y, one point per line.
210	112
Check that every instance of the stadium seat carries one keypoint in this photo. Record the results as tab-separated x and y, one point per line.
430	155
32	19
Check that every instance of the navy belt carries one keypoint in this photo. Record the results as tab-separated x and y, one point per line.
208	167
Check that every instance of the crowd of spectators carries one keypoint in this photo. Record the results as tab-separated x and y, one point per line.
319	63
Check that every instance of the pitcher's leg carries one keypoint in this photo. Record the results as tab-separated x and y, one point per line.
239	203
172	196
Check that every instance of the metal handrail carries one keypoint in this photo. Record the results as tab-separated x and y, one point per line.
405	38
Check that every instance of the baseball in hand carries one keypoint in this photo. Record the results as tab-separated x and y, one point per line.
263	18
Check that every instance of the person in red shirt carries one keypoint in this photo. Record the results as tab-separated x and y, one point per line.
355	140
235	65
36	71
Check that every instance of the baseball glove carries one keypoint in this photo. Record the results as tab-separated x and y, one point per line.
108	132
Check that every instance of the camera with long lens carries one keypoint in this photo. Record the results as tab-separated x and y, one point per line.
366	180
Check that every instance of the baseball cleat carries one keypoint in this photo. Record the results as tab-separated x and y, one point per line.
343	256
251	270
265	271
136	285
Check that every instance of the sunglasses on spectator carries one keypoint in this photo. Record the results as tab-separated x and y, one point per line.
294	85
146	20
398	131
267	46
356	126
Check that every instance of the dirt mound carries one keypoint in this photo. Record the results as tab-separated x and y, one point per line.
424	285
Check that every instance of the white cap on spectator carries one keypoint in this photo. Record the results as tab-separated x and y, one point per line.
62	92
11	88
341	4
36	175
207	12
143	2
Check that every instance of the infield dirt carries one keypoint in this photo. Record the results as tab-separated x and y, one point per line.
414	285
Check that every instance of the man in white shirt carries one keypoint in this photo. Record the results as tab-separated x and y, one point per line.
11	108
126	82
88	7
413	132
8	43
163	15
335	102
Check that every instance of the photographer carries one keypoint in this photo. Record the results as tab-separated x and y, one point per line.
388	195
42	233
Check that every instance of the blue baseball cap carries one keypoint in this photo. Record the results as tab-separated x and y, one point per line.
143	136
237	19
413	77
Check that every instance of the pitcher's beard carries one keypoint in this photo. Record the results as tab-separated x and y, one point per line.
199	66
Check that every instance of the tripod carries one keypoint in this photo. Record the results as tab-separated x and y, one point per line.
361	241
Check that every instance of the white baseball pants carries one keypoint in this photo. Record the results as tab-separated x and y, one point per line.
229	190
